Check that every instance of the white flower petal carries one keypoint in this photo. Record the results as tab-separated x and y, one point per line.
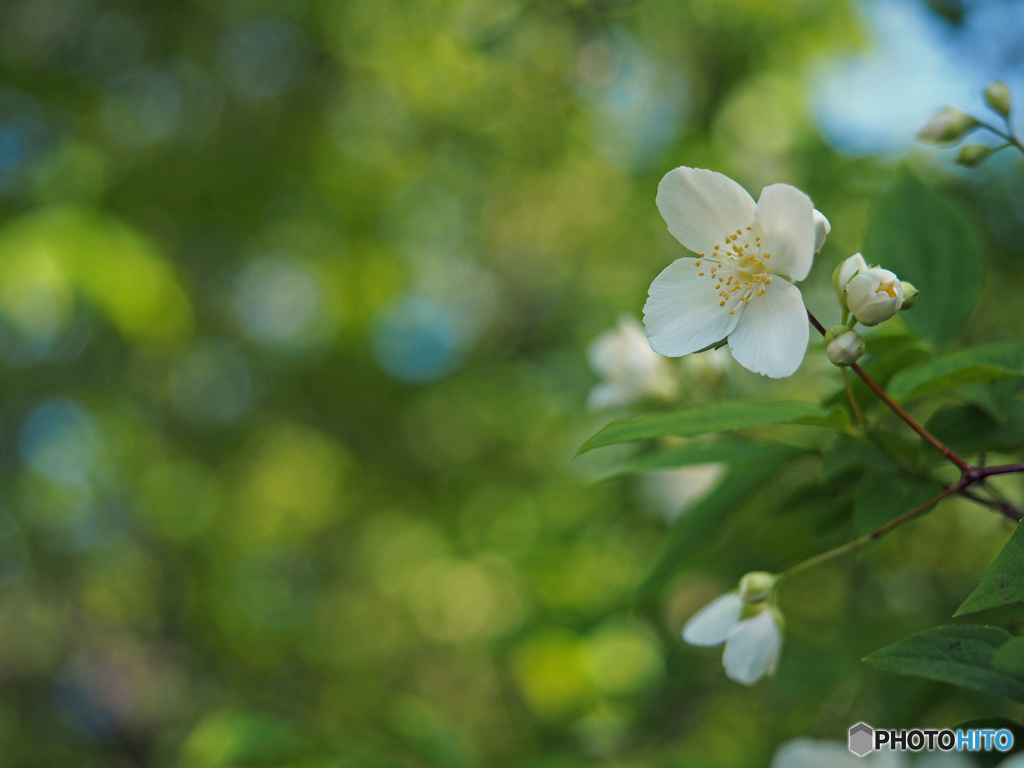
682	313
852	266
752	649
810	753
701	207
784	218
771	337
821	229
712	624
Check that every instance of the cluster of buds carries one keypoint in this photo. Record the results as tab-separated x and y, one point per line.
869	296
950	126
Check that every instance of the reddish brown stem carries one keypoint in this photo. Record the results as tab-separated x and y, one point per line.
1002	507
966	468
1005	469
913	423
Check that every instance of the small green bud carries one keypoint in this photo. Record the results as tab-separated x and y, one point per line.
998	97
909	295
757	585
947	127
840	292
974	154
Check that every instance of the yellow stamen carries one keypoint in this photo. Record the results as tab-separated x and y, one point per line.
888	288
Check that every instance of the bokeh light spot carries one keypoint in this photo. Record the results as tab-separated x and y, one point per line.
262	58
279	301
59	440
416	341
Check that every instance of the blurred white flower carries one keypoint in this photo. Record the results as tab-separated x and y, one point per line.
874	295
748	624
631	370
671	491
809	753
728	291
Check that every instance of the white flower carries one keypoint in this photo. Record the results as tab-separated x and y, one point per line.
631	370
748	627
845	349
810	753
738	288
874	295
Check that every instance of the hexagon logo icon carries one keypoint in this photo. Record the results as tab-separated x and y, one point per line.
862	739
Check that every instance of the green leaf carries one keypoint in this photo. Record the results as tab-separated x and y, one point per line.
724	416
885	495
1003	583
725	451
923	238
968	429
692	530
848	455
836	417
1010	657
960	655
977	365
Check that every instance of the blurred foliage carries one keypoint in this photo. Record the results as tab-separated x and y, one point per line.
294	303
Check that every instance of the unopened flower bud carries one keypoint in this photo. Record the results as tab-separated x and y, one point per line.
874	296
998	97
845	349
821	229
756	586
909	295
844	272
974	154
947	127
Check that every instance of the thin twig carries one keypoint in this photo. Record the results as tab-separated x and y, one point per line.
873	535
1005	469
910	420
999	505
1009	136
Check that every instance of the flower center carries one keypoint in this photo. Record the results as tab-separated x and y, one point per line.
738	268
889	288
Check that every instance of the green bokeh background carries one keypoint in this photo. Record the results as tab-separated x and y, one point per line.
295	298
